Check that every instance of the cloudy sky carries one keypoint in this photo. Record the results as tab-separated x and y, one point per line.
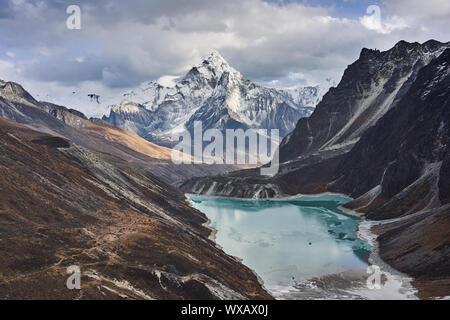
123	43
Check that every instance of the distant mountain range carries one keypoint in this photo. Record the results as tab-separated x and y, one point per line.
216	94
382	136
84	188
78	191
95	134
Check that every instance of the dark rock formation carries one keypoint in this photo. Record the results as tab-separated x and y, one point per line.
369	88
397	168
444	180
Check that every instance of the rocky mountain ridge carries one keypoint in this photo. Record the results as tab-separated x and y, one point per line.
388	150
214	93
95	134
369	88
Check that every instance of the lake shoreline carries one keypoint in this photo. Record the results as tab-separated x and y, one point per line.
396	279
399	284
194	199
283	198
213	237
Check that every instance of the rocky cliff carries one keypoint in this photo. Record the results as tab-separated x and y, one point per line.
386	148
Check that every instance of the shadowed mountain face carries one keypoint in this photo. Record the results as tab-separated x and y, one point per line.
399	169
369	88
396	168
407	141
95	134
132	235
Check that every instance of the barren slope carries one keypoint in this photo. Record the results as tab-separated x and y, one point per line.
132	235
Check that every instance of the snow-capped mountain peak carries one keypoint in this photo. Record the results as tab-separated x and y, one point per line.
126	107
216	63
209	72
212	92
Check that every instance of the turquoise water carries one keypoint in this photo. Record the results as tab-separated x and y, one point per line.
287	240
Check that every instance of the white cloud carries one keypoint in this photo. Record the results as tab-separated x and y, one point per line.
124	43
168	81
374	21
7	70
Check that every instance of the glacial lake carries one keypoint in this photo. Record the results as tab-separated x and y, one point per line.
288	241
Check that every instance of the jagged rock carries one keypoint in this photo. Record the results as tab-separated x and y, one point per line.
369	88
397	168
216	94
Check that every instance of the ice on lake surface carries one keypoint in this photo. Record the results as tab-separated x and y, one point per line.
290	241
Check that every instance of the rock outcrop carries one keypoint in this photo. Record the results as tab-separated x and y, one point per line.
387	148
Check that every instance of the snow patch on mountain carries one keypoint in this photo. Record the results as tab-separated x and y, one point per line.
217	95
